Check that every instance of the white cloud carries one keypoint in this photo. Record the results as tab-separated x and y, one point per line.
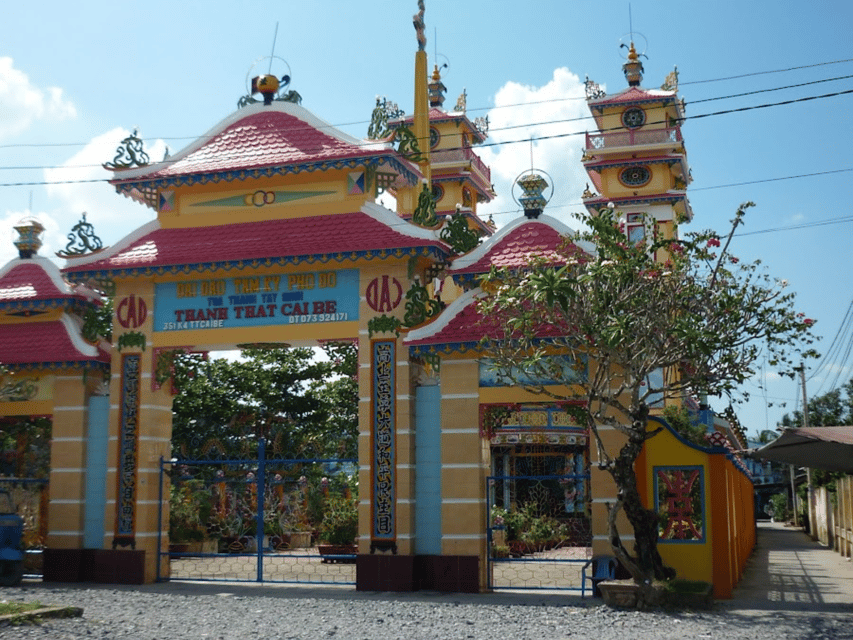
552	115
72	191
24	103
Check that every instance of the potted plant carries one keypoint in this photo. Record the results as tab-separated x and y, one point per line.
339	529
293	521
190	507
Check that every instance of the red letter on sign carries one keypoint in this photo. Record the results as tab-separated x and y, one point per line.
131	312
380	296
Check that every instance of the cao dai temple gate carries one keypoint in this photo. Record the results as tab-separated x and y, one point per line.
267	232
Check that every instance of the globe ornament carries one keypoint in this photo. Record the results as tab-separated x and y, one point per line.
533	198
271	85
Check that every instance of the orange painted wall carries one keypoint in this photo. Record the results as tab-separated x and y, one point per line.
728	495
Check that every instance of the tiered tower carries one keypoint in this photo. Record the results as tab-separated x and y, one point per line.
638	166
636	160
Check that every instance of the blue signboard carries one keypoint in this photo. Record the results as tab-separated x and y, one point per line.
257	300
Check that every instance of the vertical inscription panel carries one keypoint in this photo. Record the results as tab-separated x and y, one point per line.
128	453
383	463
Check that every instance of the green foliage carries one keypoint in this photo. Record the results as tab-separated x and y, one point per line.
779	504
340	522
527	525
383	324
679	418
131	339
190	508
303	407
686	307
833	408
98	322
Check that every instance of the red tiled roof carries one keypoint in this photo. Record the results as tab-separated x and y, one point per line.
45	343
461	323
633	94
260	136
367	230
34	279
514	245
440	115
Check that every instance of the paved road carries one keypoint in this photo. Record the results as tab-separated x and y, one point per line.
790	572
793	589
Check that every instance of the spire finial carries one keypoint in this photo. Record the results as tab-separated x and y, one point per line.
418	21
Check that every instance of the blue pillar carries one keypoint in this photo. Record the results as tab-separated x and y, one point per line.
428	470
96	472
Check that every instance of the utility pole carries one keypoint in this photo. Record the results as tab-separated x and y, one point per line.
810	486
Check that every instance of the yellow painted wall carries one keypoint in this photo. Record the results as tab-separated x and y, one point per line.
690	559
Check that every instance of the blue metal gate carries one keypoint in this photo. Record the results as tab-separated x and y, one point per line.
539	533
255	520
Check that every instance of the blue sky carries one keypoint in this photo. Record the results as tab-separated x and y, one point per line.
76	77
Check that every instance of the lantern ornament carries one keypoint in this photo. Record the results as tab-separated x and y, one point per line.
533	185
29	237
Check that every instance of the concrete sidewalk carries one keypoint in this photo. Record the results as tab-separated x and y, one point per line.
788	571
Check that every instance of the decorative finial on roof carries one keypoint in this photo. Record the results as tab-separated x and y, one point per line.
436	88
532	199
82	240
269	85
671	81
29	237
418	21
462	101
633	67
130	153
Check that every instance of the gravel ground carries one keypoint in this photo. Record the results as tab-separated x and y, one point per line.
213	611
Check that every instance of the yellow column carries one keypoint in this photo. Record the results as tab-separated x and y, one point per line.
465	464
66	509
153	432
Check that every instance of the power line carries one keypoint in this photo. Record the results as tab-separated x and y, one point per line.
524	104
761	73
536	138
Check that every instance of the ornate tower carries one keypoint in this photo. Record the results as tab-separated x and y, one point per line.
636	160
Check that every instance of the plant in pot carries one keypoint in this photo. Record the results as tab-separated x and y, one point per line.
339	529
190	507
293	521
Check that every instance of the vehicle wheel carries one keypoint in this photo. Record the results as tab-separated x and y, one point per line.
11	573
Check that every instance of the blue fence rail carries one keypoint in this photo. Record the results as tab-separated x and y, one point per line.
254	520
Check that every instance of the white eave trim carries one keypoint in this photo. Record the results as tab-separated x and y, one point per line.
440	323
73	330
398	224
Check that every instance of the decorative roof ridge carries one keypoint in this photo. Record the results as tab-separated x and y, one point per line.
481	251
108	252
288	108
442	115
651	94
444	319
389	218
76	337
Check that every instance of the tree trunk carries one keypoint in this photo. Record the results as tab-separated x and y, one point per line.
645	564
